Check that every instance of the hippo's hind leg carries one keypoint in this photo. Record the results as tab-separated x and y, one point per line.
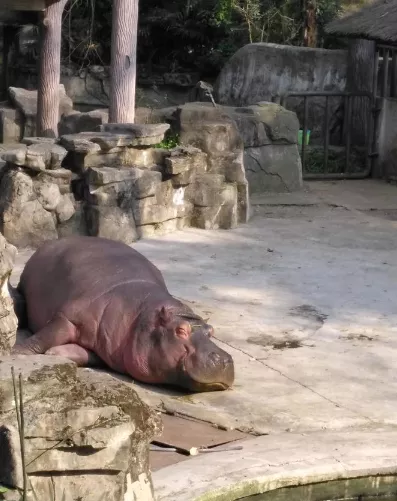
19	306
57	332
78	354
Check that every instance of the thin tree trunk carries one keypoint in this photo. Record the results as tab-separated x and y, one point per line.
50	69
123	61
360	67
311	24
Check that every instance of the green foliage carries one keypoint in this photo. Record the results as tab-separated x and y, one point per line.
169	142
3	489
188	35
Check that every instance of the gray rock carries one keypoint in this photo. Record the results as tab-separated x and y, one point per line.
273	168
147	211
11	125
213	135
61	177
137	130
109	140
44	155
147	184
38	140
144	158
179	79
65	209
182	159
137	184
183	179
16	155
83	122
115	157
91	440
76	225
159	229
259	71
207	190
111	222
48	194
26	101
79	144
105	175
8	319
223	216
24	221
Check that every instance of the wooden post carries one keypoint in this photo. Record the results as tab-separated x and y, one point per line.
360	68
123	61
50	69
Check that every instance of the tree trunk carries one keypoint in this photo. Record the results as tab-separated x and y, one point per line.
50	69
311	24
123	61
360	71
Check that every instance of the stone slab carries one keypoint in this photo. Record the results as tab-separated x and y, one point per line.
269	463
304	298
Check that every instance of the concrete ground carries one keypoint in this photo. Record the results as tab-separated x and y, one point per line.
305	299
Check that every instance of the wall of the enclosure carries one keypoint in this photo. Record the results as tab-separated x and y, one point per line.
387	140
259	71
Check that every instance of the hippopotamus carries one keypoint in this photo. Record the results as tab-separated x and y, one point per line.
95	300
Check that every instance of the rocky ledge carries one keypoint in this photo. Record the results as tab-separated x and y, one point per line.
118	183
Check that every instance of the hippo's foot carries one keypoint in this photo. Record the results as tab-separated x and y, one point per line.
81	356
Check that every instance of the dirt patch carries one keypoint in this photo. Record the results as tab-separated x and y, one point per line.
356	337
309	312
275	343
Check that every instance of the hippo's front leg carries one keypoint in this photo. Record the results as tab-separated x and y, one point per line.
81	356
58	332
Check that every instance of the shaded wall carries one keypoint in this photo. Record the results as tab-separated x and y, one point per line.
259	72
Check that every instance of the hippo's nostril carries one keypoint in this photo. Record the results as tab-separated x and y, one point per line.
215	358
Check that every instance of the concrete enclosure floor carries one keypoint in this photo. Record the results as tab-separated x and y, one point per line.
304	297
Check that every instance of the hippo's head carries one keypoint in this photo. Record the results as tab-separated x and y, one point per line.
183	354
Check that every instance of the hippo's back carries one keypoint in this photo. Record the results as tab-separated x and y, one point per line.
78	270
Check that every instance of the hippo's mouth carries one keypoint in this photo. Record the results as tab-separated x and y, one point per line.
193	383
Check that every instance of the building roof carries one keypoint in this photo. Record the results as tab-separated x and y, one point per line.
23	5
376	21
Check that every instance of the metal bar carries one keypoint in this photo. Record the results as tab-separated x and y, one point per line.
349	103
323	94
393	74
305	113
337	175
348	112
385	75
375	77
326	133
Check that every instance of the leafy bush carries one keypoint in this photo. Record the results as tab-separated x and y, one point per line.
189	35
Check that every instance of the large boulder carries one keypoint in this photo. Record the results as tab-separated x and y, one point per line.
8	319
34	193
271	157
260	71
263	72
26	102
24	220
77	121
91	441
213	131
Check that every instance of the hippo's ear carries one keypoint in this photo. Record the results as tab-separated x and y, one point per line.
164	316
